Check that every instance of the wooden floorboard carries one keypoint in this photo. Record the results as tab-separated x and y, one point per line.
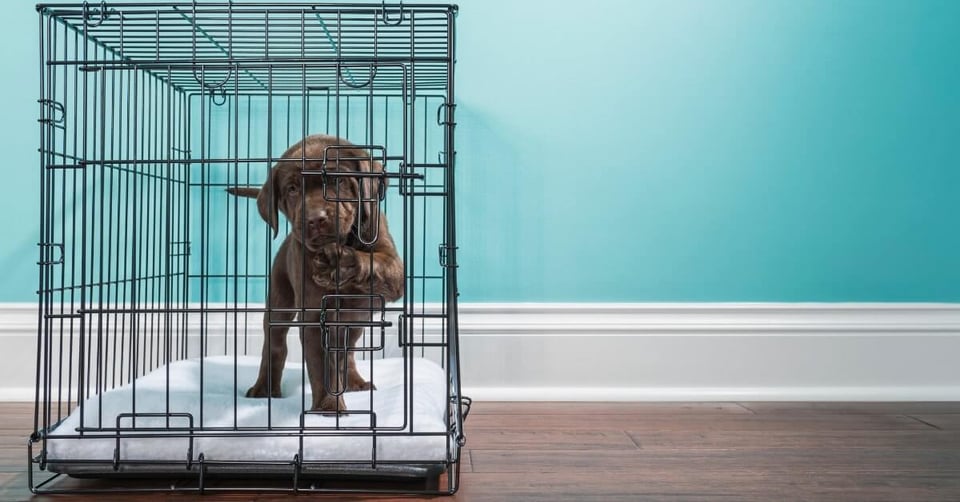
593	409
817	460
946	421
660	422
787	440
656	451
868	408
546	440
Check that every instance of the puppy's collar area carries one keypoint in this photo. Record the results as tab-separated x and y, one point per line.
354	241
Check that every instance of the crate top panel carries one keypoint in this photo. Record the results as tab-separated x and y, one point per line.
258	47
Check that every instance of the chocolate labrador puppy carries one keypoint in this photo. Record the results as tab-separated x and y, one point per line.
339	244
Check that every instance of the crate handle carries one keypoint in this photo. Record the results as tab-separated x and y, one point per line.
372	74
88	14
386	17
219	85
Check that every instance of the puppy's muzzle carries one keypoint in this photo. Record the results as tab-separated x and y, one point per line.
318	229
316	225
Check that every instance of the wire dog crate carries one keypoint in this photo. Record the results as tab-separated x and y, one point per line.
154	276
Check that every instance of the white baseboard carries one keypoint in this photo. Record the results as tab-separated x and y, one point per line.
17	394
689	394
664	352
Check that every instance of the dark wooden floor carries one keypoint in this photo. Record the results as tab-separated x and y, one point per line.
667	451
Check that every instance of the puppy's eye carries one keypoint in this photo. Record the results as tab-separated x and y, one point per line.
292	189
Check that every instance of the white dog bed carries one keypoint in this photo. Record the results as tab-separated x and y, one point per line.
428	399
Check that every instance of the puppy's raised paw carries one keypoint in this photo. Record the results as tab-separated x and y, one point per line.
335	264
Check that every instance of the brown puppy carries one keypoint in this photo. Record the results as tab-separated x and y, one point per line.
338	244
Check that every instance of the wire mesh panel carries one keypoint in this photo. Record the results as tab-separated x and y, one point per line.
167	130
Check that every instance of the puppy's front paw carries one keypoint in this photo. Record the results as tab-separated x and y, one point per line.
260	390
356	383
331	403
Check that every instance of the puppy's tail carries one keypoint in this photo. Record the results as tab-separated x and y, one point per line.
251	192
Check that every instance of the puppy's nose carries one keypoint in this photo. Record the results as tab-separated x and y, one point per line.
316	220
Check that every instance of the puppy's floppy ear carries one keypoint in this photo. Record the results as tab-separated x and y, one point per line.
268	200
368	219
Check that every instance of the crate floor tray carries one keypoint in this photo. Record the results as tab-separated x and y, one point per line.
230	432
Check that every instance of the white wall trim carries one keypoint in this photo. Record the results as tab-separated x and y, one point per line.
660	351
17	394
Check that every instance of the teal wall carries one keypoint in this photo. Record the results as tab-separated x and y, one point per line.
19	140
710	150
737	150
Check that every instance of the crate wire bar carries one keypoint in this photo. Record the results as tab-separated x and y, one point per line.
148	113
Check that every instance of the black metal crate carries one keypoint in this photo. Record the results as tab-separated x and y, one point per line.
148	113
